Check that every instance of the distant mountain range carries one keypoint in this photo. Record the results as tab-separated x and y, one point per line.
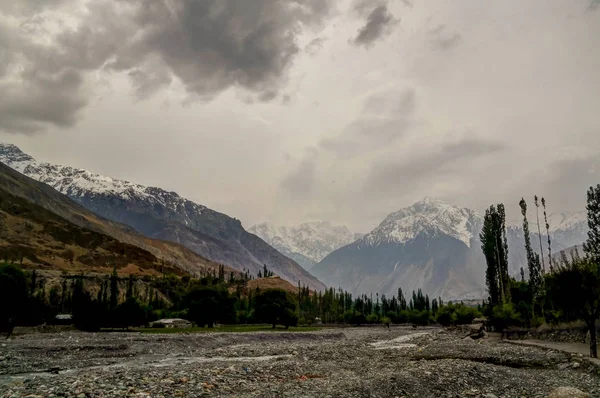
158	214
430	245
307	243
434	246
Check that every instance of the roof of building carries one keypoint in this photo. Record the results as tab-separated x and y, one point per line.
172	320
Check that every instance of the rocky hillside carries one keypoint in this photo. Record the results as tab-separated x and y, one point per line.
307	243
158	214
34	235
434	246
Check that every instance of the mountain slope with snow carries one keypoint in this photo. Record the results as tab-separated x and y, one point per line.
434	246
164	215
307	243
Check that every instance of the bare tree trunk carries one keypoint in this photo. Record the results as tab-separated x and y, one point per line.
593	345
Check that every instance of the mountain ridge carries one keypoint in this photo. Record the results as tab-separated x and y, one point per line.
434	246
159	214
44	203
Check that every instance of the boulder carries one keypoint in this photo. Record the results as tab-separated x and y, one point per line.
568	392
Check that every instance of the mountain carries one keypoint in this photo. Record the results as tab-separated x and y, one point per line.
158	214
307	243
42	228
434	246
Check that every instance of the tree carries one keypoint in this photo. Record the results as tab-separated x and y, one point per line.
13	296
130	313
276	306
114	289
550	262
533	259
537	213
583	277
495	249
592	245
209	304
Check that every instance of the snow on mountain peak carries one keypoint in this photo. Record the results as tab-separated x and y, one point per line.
313	240
79	182
428	216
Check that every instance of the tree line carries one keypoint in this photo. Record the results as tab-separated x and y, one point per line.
566	290
114	301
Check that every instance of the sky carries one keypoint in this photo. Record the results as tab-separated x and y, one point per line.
289	111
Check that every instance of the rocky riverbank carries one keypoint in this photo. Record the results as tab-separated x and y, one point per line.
401	362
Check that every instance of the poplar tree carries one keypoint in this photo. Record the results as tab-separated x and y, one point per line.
533	259
537	214
114	289
550	262
495	249
592	245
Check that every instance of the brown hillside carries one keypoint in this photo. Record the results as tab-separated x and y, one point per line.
47	229
274	282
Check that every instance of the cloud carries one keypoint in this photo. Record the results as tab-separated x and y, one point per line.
393	175
594	5
385	118
380	24
146	84
315	45
209	46
300	184
442	39
47	99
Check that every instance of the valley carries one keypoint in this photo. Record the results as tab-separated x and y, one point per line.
349	362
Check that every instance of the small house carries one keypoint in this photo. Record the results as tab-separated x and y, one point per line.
174	323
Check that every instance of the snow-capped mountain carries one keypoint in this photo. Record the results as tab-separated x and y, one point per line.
568	229
434	246
429	216
164	215
307	243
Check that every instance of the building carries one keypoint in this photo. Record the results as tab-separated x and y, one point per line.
172	323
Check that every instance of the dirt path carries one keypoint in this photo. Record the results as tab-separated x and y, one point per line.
571	348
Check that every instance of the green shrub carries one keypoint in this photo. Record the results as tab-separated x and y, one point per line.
419	317
464	315
372	318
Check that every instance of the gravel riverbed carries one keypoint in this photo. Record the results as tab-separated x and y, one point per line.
353	362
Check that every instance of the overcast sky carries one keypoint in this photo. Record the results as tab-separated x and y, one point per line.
299	110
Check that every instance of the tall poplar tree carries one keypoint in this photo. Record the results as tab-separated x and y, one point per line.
550	262
592	245
533	259
495	249
537	214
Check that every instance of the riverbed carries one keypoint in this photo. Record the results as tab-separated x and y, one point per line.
352	362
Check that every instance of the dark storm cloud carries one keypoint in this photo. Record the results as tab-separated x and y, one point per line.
209	45
146	84
442	39
391	174
380	23
47	99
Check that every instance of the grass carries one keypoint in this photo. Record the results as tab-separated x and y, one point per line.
229	329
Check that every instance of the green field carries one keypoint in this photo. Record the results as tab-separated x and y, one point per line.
230	329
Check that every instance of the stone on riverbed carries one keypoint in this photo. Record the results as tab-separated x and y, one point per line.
568	392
